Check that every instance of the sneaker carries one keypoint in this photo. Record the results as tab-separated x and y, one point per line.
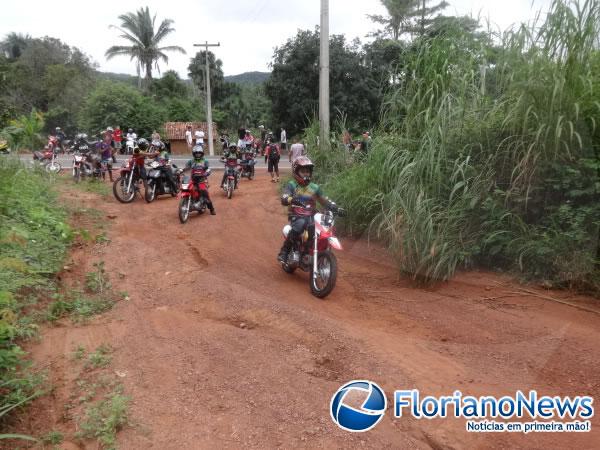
277	180
212	212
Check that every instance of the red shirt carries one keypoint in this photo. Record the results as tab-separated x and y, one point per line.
117	136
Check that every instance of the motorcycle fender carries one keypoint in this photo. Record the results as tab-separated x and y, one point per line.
335	243
286	230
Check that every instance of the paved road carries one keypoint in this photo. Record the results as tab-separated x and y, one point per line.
179	160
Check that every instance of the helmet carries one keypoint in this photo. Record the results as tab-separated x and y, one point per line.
142	144
130	130
110	129
57	129
197	152
232	146
300	162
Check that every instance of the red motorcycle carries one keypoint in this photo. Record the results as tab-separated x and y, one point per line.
314	254
128	183
232	176
48	157
190	196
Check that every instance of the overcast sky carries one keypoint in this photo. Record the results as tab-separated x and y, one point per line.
248	30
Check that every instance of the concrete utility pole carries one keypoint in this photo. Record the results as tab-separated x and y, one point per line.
211	150
324	75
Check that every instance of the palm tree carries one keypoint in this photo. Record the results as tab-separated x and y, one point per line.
138	29
13	44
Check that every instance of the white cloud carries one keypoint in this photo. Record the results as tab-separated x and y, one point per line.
247	30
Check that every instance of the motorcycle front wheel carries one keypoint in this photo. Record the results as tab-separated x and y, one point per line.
323	283
229	189
53	167
123	191
150	193
184	209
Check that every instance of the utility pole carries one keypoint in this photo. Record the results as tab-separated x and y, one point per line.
211	150
324	75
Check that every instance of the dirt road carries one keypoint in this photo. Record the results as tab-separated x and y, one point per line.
219	348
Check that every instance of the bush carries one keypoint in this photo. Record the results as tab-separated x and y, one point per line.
481	163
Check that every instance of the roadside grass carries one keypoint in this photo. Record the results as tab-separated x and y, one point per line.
98	404
34	241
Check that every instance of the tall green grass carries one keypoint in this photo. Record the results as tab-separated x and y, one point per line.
33	242
488	153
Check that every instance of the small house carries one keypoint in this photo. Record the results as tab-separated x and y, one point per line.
175	132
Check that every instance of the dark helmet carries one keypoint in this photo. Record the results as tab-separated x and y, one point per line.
130	130
197	152
299	163
142	144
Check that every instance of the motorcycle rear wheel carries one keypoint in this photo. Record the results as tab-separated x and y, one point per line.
322	285
184	209
120	190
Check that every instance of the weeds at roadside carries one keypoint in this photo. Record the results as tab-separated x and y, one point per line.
97	281
105	418
52	438
100	358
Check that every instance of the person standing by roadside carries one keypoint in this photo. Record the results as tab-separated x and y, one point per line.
106	152
273	154
296	150
188	138
199	137
117	138
283	139
111	133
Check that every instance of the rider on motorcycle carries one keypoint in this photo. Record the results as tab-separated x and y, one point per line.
140	158
232	154
301	196
199	160
60	135
164	159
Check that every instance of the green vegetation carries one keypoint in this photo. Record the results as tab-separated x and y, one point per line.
100	358
104	418
34	239
52	438
487	154
138	29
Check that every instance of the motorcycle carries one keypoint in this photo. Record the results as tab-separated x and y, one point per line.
190	197
48	159
4	148
247	163
314	254
157	180
130	146
128	182
231	177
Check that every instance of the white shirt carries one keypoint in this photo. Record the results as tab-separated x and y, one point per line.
283	136
199	137
131	136
188	137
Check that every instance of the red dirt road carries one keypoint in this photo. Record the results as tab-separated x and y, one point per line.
220	348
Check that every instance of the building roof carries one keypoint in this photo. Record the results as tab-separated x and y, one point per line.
176	130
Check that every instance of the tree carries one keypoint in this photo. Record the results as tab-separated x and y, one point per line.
138	29
294	82
219	88
14	44
423	15
406	16
399	14
111	104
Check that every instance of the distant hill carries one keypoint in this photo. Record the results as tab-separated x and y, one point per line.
122	77
248	78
